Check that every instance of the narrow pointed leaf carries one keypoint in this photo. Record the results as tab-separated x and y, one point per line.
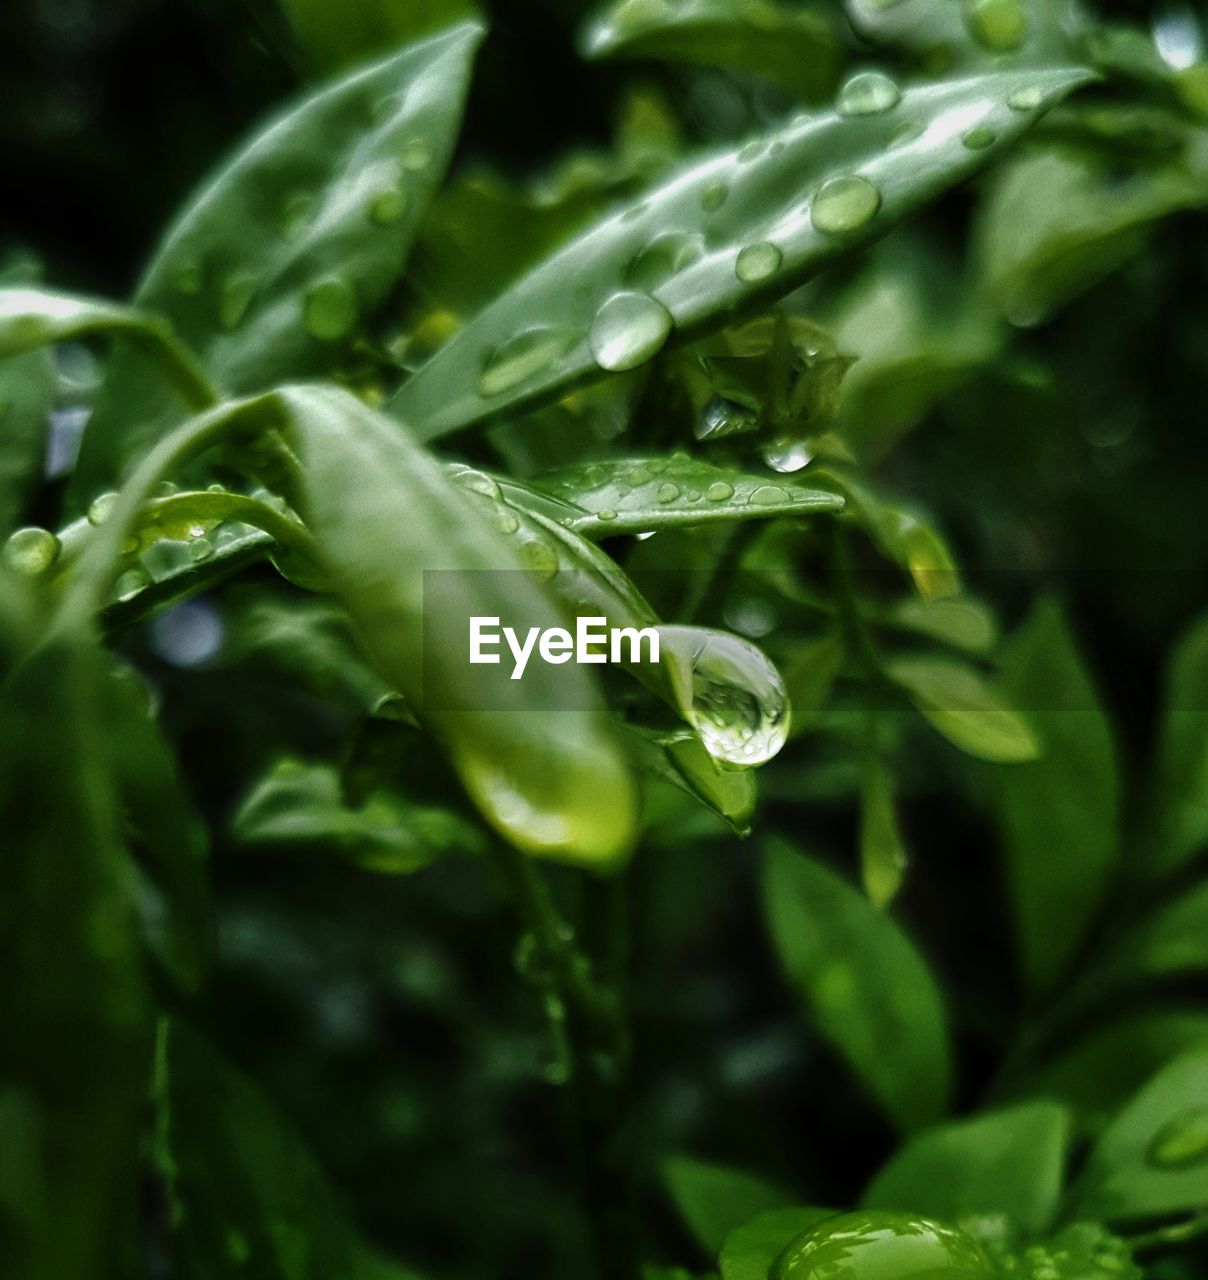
713	1199
883	855
579	313
270	270
863	983
642	494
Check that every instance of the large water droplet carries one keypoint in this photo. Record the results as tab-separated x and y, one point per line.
330	309
768	495
787	456
875	1245
237	294
997	25
739	707
628	330
868	93
101	508
663	258
523	357
1181	1142
844	204
31	551
758	262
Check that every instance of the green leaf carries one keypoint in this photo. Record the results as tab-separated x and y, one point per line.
713	1199
749	1251
336	36
1060	815
74	1003
642	494
764	201
1154	1158
1098	1074
1056	221
796	48
1178	801
1172	942
963	624
167	834
27	384
883	856
301	806
247	1194
270	271
682	762
35	318
958	702
809	675
1009	1162
411	585
864	984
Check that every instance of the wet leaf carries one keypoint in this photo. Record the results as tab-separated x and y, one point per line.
1009	1162
338	36
681	762
864	985
270	271
749	1251
770	213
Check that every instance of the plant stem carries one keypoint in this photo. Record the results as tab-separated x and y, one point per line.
1178	1233
588	1027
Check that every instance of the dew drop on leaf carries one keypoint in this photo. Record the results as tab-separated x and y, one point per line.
237	294
714	196
978	138
663	258
539	558
606	514
131	583
768	495
101	508
628	330
787	456
478	482
668	492
844	204
1026	99
997	25
200	549
388	206
1181	1142
31	551
752	151
330	309
523	357
867	93
504	522
416	155
719	491
758	262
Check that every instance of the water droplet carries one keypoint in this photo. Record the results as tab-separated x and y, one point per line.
102	508
906	132
997	25
639	476
752	151
330	309
844	204
721	417
739	707
299	210
200	548
768	495
719	491
606	514
416	155
188	278
787	456
868	93
758	262
628	330
131	583
539	558
1026	99
668	492
388	206
478	482
237	295
1181	1142
714	196
31	551
504	522
978	138
663	258
523	357
872	1243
